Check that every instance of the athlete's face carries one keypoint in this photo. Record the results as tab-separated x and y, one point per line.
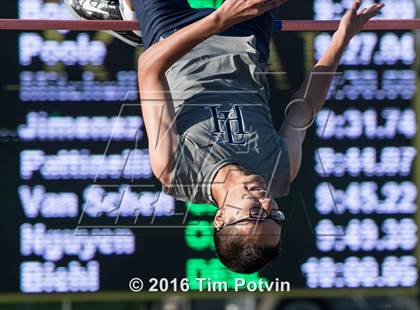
250	193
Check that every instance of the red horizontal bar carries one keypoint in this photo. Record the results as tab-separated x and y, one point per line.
331	25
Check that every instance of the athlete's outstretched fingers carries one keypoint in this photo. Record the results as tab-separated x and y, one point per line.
356	5
372	11
370	8
364	11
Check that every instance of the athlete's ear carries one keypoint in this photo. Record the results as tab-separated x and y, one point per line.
218	218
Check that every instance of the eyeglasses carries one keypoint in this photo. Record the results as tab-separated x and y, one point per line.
259	215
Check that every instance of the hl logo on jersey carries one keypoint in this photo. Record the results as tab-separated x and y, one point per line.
225	122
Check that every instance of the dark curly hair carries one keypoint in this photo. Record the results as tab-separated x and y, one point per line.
240	254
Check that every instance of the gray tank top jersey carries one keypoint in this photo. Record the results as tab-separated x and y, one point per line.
220	94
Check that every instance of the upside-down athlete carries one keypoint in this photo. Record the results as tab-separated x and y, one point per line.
204	99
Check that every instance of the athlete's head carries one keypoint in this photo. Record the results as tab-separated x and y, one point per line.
247	224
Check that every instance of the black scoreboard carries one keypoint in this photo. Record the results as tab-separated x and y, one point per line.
82	212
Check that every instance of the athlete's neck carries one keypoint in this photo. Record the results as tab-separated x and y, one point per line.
226	178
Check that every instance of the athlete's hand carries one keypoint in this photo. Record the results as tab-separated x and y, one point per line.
232	12
352	22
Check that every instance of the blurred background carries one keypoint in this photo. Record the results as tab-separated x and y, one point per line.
82	213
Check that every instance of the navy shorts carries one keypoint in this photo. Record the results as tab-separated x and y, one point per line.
161	18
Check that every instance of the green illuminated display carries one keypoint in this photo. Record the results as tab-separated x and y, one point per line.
199	235
214	271
205	3
201	209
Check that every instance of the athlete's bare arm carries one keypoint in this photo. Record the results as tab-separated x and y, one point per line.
129	3
156	100
315	88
